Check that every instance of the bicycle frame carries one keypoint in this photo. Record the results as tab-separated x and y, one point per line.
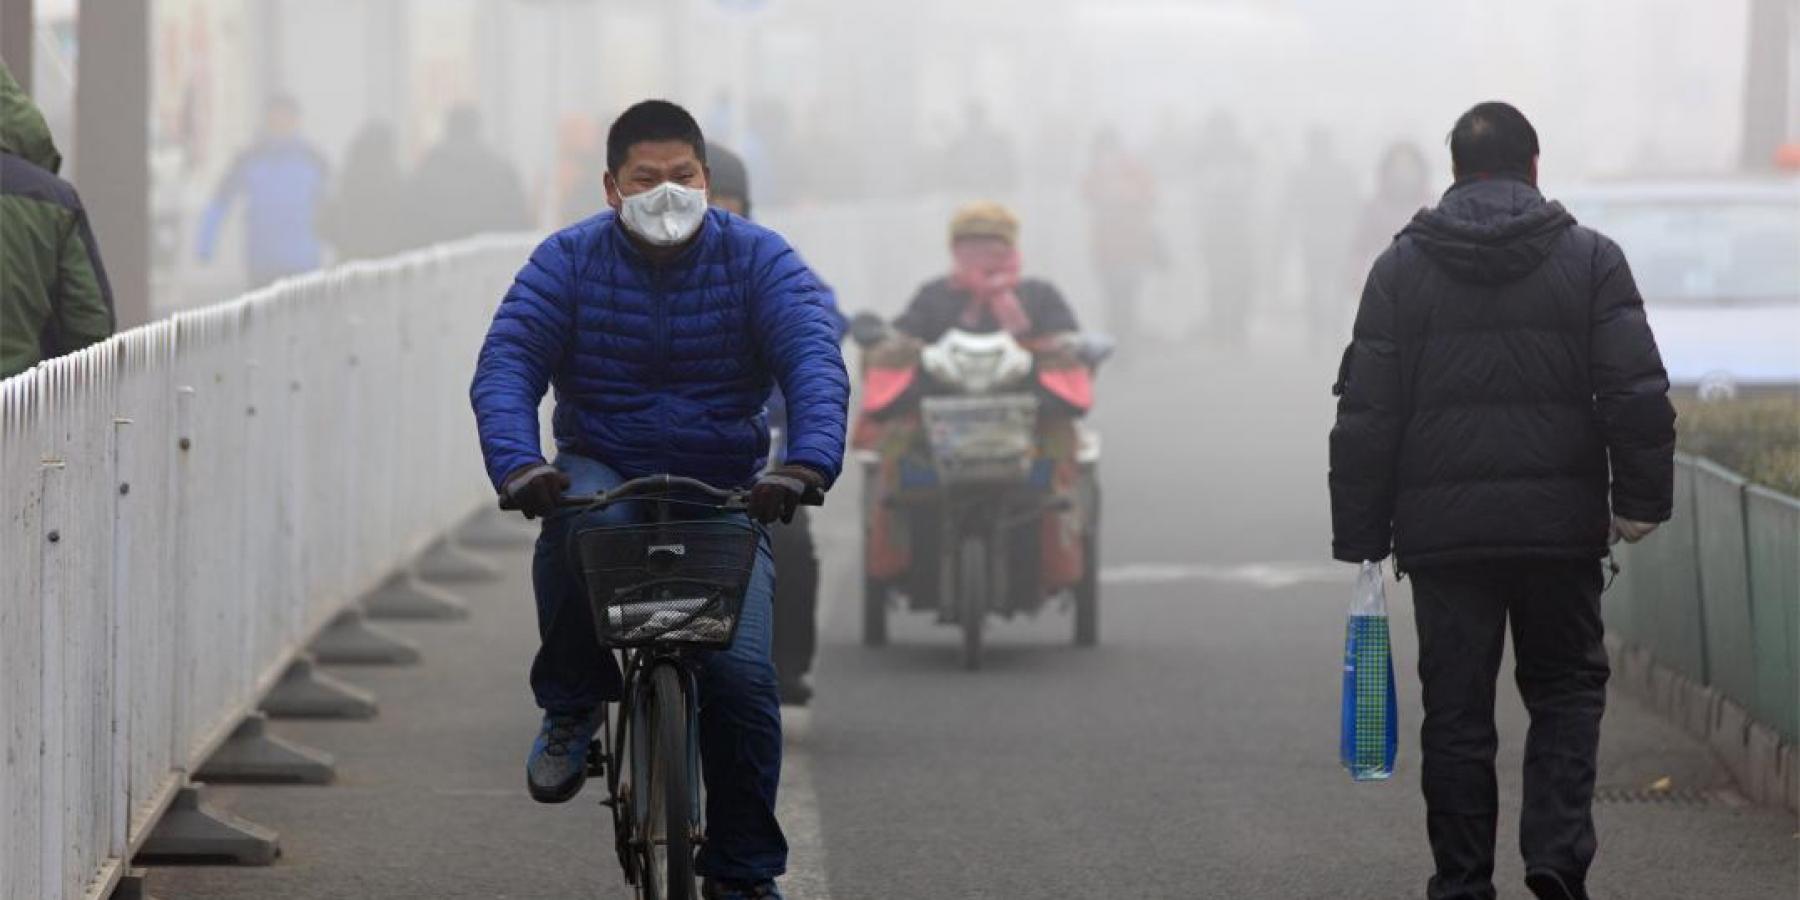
622	748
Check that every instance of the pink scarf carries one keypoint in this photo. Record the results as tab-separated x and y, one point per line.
989	271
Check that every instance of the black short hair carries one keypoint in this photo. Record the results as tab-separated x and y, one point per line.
1493	137
651	120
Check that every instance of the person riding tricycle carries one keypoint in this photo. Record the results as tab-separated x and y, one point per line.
981	490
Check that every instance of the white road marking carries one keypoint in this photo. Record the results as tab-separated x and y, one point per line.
797	804
797	808
1260	575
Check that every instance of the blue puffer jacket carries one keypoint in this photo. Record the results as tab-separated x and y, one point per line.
663	368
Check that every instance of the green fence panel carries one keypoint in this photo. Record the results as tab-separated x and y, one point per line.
1623	603
1725	581
1773	522
1670	609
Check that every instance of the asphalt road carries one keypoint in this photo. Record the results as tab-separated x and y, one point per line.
1191	755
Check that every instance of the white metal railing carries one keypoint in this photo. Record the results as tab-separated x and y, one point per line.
183	506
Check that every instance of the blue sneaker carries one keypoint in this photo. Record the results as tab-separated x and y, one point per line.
738	890
557	767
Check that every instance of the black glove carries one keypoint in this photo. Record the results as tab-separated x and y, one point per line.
779	492
534	490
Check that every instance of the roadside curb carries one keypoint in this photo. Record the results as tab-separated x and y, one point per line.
1765	767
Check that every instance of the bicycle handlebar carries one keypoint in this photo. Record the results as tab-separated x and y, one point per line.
651	485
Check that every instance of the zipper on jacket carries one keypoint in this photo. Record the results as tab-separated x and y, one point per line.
659	348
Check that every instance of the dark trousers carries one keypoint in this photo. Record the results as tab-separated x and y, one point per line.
740	712
1561	669
796	596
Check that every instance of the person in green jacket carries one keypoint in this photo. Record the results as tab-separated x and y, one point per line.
54	298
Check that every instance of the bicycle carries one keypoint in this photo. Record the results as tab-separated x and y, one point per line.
662	590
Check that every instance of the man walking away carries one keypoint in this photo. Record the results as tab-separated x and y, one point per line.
282	177
1503	412
53	293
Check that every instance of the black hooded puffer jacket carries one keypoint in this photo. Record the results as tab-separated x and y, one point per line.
1502	386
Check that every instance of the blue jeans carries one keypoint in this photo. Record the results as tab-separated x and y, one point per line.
740	705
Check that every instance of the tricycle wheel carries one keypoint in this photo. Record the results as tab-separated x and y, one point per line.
1087	595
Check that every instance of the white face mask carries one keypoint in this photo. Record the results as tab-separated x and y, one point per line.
664	215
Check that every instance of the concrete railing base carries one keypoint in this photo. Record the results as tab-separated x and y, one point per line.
448	561
253	756
403	596
351	640
133	885
1765	767
492	529
192	831
304	692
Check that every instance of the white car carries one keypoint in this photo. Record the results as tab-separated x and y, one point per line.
1718	265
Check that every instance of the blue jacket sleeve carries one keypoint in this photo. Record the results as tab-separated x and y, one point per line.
797	328
526	343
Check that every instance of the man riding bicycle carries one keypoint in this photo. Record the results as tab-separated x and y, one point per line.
663	325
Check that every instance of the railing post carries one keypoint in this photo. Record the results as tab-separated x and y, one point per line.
54	510
181	476
121	686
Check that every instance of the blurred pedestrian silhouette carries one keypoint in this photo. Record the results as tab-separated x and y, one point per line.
463	187
1120	194
1320	215
1227	173
980	160
579	190
366	215
1402	187
282	179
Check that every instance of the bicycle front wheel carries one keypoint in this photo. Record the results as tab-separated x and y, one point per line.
667	824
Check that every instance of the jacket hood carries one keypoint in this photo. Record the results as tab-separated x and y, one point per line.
23	132
1490	230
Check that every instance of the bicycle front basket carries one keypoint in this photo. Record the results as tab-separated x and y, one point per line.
668	583
981	439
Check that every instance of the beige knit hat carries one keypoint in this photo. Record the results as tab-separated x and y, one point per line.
985	218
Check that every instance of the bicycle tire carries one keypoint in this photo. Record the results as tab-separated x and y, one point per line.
971	589
667	860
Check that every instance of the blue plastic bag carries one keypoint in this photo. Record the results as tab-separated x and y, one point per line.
1371	729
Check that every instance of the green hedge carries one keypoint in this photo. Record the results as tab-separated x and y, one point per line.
1757	438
